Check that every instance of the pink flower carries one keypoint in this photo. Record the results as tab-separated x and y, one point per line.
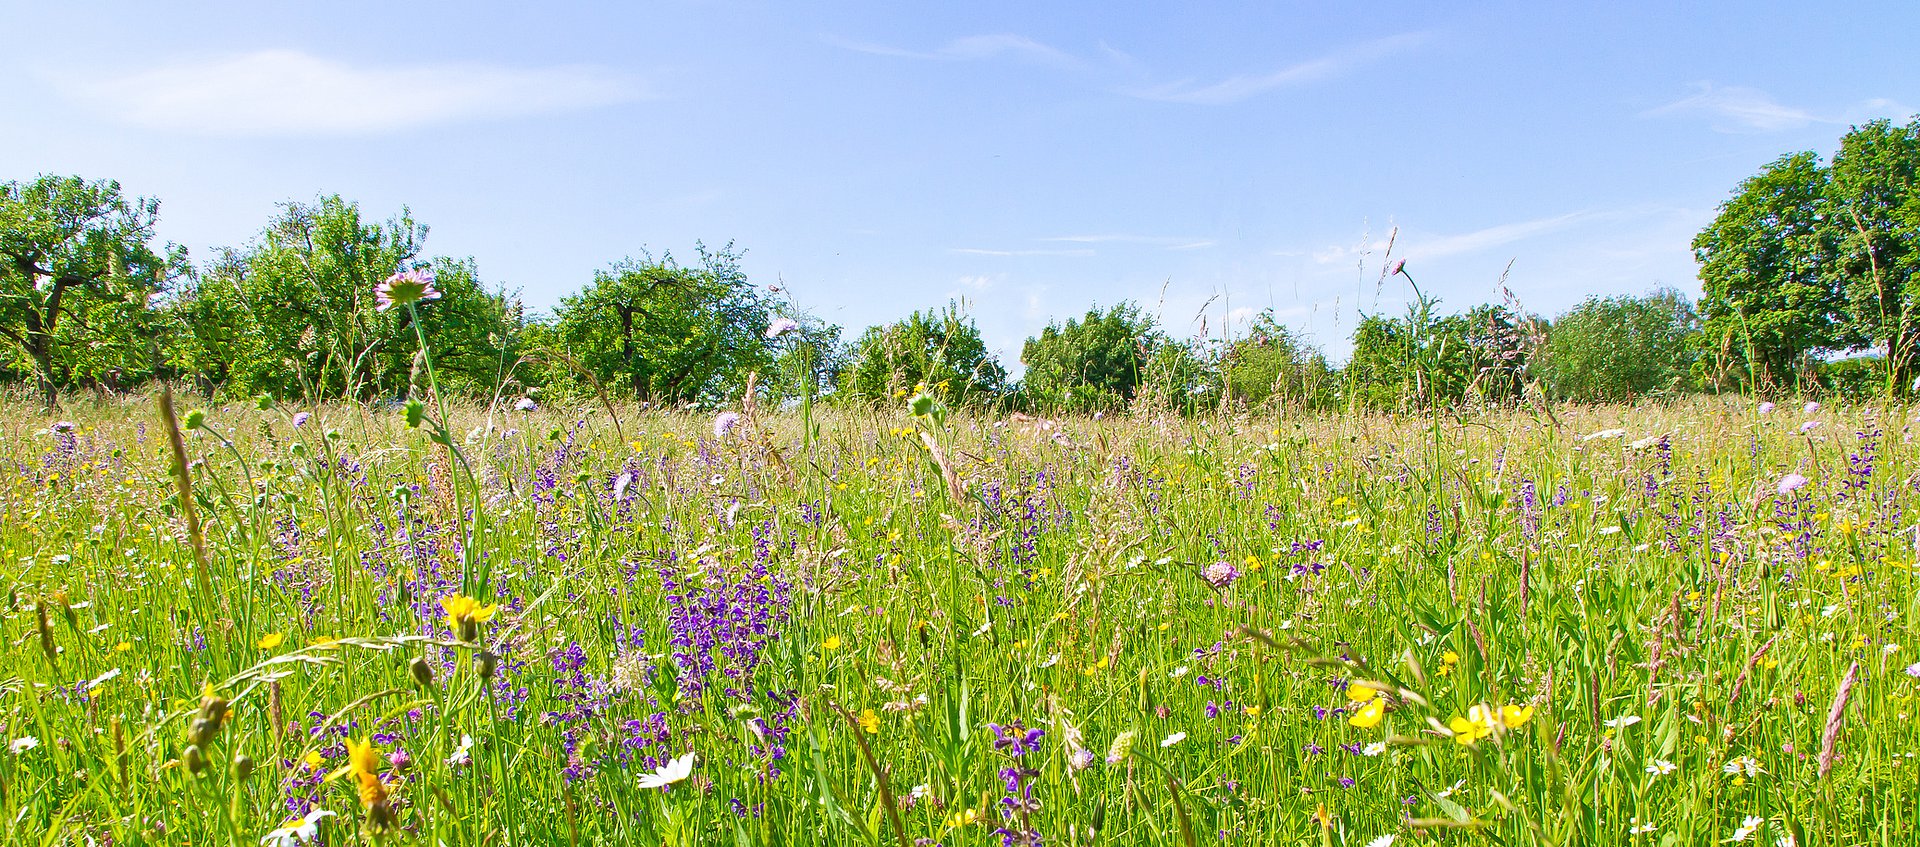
782	326
1766	407
724	423
1790	483
1809	426
404	288
1812	406
1397	268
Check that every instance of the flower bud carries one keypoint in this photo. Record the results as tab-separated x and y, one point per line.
194	759
487	663
416	413
422	672
242	767
196	419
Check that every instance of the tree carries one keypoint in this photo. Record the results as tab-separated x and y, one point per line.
1873	212
77	250
667	332
1614	348
295	312
1423	361
940	350
1092	364
1272	364
1771	299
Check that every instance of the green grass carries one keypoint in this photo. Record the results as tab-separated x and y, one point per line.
1063	590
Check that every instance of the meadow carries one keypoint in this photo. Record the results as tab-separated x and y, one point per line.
1688	623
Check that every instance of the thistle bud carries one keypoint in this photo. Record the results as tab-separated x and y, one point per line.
422	672
194	759
487	663
196	419
416	413
242	767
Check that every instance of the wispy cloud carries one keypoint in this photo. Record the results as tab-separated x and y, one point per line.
970	48
1238	88
978	251
284	92
1162	241
1488	238
1737	109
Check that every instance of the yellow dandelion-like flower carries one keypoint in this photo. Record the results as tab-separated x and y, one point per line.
870	721
1369	715
465	615
271	640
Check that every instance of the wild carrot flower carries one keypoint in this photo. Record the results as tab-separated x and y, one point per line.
405	288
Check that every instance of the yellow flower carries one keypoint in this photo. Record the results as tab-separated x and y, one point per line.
1515	717
870	721
313	759
271	640
832	642
1369	715
1479	723
465	615
962	818
1359	693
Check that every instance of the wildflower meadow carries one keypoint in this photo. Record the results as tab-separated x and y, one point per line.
515	623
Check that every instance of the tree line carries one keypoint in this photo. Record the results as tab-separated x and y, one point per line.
1808	274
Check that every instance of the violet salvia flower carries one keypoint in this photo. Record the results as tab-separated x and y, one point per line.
1016	740
404	288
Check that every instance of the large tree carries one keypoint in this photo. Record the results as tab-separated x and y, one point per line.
1094	363
1771	299
295	311
941	350
76	266
667	332
1614	348
1873	210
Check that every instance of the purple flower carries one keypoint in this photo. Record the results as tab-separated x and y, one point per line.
1016	740
62	426
1220	574
526	404
1812	406
404	288
724	423
1809	426
1913	670
1766	407
782	326
300	419
1791	483
1397	268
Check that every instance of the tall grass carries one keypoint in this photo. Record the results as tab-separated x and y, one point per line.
1141	630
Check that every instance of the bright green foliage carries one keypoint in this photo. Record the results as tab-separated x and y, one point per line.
1274	366
1874	210
1092	364
1423	361
941	350
1615	348
658	331
294	314
77	272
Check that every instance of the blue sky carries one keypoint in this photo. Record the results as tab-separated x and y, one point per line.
1032	158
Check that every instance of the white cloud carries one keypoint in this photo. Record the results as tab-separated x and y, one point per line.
970	48
978	251
1483	239
977	282
1235	89
1167	242
286	92
1737	109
